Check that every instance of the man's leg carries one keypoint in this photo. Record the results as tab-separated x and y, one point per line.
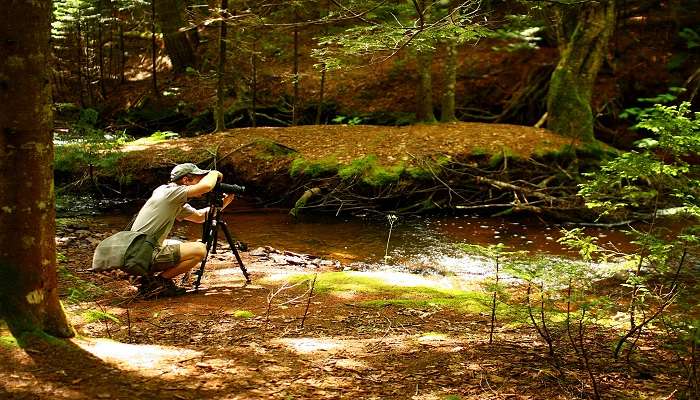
191	254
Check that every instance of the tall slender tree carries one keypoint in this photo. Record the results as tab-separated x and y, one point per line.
28	283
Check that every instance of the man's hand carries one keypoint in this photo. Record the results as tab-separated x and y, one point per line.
228	199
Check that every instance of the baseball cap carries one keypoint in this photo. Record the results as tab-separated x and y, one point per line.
181	170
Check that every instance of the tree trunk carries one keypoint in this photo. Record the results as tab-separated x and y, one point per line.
571	85
100	49
448	97
254	83
153	48
295	78
219	112
79	46
424	100
28	284
177	44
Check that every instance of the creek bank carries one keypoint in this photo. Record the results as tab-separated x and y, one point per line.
470	167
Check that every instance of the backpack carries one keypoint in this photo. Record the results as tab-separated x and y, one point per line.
130	251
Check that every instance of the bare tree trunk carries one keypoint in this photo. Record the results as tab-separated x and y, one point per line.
319	109
254	83
571	85
28	285
122	58
295	77
219	112
177	44
100	49
153	48
424	111
448	97
79	46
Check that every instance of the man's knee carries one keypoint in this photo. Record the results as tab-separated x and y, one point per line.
193	250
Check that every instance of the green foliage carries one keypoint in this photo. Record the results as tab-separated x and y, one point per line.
657	170
79	290
691	37
521	33
393	26
99	316
85	145
342	119
637	113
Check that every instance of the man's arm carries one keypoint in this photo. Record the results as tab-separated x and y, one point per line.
199	216
205	185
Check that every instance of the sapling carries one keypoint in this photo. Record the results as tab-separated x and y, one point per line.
656	177
392	219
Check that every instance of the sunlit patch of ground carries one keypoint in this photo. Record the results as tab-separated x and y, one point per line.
151	360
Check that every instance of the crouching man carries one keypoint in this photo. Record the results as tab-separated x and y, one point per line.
157	217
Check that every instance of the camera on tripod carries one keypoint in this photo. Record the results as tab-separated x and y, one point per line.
221	188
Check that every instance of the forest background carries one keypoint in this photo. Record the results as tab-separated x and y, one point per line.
604	78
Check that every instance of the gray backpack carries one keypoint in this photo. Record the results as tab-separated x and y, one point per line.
132	252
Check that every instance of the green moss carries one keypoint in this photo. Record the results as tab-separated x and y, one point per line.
371	172
357	167
499	157
313	169
269	150
97	315
8	341
418	296
243	314
419	173
479	152
382	176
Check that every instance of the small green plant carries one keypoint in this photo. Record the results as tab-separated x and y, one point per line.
342	119
245	314
655	178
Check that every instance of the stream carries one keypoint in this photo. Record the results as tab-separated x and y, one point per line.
416	243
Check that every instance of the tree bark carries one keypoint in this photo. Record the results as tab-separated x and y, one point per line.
295	77
424	100
448	97
571	85
219	112
153	48
28	284
177	44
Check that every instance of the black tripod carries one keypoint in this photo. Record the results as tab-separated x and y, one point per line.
210	237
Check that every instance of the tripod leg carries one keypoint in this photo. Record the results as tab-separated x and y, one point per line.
216	238
200	271
235	251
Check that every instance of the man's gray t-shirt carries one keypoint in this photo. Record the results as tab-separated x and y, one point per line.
157	216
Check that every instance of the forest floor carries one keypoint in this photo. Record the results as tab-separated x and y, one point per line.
364	335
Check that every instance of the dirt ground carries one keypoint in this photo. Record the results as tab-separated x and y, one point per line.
224	343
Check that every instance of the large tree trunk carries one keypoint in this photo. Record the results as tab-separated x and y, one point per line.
177	44
28	293
571	85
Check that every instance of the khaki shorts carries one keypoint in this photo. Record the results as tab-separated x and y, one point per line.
166	256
